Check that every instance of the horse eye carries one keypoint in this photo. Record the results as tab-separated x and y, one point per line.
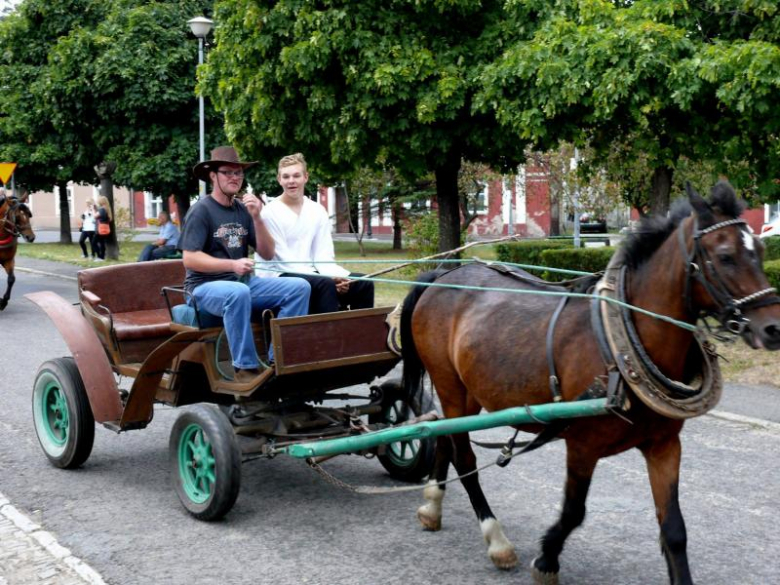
726	259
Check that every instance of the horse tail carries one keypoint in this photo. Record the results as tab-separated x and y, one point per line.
414	370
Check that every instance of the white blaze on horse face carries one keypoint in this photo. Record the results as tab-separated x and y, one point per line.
747	239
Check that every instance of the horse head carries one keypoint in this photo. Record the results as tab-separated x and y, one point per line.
15	216
724	267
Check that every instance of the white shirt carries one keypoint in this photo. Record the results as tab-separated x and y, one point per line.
87	222
299	237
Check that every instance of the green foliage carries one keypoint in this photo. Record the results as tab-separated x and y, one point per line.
582	259
772	271
88	81
422	233
376	83
670	79
529	251
771	248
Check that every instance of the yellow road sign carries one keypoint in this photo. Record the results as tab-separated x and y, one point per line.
6	170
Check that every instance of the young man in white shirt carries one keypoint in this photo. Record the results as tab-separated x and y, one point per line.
301	231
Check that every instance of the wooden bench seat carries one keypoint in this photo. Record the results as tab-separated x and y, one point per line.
125	305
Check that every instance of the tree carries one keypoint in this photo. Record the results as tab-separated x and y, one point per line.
363	84
134	101
47	153
652	72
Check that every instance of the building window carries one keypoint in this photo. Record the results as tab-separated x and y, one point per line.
152	205
478	201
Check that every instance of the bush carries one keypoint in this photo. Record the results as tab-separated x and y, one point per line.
423	234
582	259
529	252
772	270
772	248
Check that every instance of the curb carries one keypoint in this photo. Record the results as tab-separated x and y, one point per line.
44	273
767	425
48	542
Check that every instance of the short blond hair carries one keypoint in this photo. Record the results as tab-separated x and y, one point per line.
290	160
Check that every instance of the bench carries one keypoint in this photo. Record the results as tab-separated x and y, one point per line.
125	305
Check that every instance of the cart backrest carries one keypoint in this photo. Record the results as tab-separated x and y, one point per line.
127	288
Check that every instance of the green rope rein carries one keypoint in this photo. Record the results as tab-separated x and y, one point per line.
681	324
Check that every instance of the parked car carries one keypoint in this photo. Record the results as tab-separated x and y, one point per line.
770	229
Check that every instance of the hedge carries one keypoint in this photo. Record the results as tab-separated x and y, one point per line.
529	252
583	259
772	248
772	270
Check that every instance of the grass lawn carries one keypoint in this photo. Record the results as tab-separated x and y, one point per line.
741	364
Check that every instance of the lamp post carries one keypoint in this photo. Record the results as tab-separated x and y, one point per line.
201	27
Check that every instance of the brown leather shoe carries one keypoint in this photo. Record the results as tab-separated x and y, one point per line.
244	376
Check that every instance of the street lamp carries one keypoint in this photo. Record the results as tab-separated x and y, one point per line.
201	27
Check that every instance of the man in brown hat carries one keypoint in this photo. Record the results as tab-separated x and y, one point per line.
217	234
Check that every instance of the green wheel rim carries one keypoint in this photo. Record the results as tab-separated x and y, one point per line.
52	416
402	453
197	468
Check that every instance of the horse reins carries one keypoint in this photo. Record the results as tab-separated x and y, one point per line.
730	310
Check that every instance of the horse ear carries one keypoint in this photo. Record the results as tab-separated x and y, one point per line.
697	201
25	195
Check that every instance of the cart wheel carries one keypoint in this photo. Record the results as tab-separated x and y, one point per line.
405	460
206	462
62	414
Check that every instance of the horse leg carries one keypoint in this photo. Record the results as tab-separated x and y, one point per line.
663	466
9	286
579	471
429	514
500	550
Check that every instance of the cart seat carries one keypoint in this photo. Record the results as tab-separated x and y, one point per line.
124	301
142	324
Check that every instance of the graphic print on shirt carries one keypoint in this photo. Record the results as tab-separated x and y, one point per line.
231	234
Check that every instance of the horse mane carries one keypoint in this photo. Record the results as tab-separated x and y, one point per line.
643	242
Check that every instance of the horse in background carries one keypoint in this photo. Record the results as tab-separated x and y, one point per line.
488	349
14	223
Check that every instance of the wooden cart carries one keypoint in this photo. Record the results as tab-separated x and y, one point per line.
123	327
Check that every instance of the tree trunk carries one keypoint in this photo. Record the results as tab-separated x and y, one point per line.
105	171
397	211
661	188
65	237
555	214
182	207
448	201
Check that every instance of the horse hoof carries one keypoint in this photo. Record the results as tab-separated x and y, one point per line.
505	559
542	578
428	521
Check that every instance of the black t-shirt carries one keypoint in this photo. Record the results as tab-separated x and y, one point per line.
219	231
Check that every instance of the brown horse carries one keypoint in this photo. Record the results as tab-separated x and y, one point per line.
487	349
14	222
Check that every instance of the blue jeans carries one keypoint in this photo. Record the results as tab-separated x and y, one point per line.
235	301
152	252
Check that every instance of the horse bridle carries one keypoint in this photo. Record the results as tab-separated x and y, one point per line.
730	310
10	218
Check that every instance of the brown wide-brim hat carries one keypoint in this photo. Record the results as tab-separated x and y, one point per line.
219	156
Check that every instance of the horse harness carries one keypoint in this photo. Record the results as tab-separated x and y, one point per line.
621	349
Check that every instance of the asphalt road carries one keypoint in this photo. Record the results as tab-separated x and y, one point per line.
119	512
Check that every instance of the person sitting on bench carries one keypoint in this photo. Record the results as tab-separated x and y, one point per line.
219	279
304	247
165	245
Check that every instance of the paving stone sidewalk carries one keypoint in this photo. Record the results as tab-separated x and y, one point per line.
31	556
